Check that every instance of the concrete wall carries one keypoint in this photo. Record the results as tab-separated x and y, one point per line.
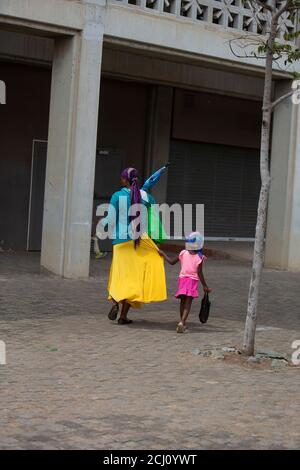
55	16
135	62
123	119
133	117
283	229
131	24
22	47
79	28
204	40
161	67
122	124
22	119
158	139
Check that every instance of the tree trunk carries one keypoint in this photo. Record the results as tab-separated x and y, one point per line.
259	245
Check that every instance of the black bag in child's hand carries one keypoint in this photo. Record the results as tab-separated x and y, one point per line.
205	307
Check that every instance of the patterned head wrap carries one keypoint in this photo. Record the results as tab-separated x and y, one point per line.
131	175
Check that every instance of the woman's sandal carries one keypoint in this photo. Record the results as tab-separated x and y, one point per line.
124	321
113	313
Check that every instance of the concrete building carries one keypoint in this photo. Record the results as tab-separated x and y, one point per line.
96	85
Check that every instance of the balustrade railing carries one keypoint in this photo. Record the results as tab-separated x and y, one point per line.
236	14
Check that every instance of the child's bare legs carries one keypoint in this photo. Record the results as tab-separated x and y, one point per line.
182	302
186	309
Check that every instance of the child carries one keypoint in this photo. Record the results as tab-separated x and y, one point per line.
191	260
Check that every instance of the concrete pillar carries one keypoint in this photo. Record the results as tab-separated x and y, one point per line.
72	149
159	136
283	229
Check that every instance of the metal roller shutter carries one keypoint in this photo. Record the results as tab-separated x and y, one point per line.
224	178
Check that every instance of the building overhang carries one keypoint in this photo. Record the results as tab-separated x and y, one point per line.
147	32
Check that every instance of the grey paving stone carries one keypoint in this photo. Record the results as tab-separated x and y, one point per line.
75	380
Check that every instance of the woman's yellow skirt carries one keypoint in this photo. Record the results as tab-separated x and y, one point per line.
137	275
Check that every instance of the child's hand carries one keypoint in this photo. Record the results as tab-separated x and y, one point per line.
169	260
207	289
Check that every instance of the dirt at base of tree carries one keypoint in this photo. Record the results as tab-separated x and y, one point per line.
240	360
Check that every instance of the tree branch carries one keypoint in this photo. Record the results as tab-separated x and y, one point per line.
263	4
279	100
256	41
281	10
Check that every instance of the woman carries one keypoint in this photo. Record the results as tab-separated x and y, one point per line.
137	272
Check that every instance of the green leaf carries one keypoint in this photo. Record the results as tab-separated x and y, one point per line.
52	348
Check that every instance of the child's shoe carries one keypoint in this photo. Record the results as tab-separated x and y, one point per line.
180	328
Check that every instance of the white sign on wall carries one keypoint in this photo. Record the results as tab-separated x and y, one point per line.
2	92
2	353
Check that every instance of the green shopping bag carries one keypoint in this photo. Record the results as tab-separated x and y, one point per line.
156	229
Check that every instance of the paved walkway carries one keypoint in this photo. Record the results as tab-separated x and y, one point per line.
234	250
75	380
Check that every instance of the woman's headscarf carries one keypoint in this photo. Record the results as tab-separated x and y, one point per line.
131	175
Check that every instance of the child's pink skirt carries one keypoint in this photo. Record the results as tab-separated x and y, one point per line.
187	286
